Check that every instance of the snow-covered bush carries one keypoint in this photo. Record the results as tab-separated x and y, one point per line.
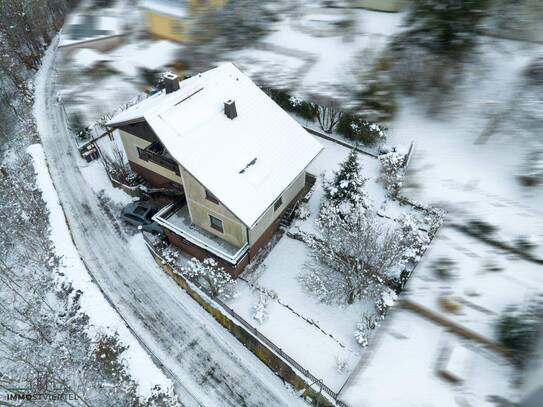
161	398
352	255
346	186
211	276
444	268
517	330
392	166
108	353
341	364
355	128
306	110
364	329
303	212
414	240
260	311
433	219
384	302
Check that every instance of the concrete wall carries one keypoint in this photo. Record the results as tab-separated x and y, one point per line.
200	208
271	215
131	143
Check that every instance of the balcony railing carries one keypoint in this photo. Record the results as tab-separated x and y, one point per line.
156	153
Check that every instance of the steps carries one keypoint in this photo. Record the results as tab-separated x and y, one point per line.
286	219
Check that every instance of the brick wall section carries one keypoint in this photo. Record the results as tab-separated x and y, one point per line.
202	254
265	238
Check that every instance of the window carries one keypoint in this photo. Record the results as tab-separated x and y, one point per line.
211	197
216	223
278	203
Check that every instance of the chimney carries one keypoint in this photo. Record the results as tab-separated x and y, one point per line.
230	109
171	82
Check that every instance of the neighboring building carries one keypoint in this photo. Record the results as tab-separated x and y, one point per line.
391	6
96	31
237	157
170	19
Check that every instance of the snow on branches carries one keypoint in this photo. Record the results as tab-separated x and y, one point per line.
352	256
392	165
364	329
414	240
211	276
260	311
346	187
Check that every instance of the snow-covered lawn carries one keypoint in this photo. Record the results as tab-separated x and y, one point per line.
480	292
402	369
320	334
295	320
328	160
103	318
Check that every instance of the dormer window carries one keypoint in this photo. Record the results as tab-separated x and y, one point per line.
211	197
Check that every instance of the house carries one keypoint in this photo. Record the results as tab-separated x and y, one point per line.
170	19
237	158
96	31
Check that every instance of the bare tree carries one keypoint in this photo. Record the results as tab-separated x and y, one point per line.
353	255
328	117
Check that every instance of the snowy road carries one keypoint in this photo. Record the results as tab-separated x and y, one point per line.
208	366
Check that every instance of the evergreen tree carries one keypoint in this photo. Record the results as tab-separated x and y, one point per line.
444	26
346	188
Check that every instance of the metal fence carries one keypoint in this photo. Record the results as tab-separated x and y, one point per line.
249	328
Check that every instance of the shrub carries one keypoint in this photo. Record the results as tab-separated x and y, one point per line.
302	108
480	227
444	268
517	331
293	104
355	128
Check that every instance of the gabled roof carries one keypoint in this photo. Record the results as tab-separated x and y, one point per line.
82	28
246	162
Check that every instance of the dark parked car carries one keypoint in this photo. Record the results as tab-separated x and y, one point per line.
140	214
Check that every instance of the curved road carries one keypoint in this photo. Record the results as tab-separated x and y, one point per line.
207	365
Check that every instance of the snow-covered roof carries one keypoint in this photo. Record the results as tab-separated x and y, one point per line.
88	27
152	55
246	162
86	57
175	8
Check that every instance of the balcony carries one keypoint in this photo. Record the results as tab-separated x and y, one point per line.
157	154
176	217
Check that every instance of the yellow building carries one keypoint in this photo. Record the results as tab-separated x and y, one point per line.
170	19
236	161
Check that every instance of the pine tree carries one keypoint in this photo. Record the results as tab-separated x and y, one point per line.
346	188
444	26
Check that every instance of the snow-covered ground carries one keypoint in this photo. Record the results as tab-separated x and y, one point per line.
402	369
103	318
296	321
205	363
454	166
330	51
484	281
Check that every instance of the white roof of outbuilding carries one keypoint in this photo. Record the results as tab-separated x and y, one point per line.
263	139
